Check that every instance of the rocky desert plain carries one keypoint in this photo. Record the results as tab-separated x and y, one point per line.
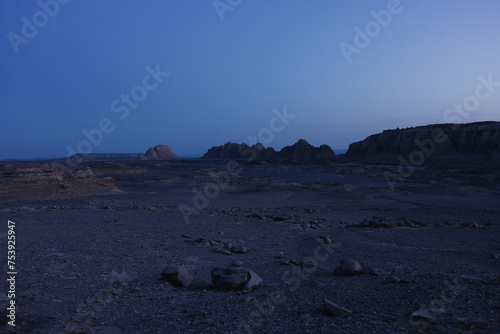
398	235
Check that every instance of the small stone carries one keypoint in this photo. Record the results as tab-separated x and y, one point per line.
326	240
471	225
239	249
348	267
237	263
336	310
254	281
222	249
421	314
308	263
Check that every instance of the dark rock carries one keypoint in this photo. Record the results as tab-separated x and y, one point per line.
239	249
471	225
237	263
254	281
348	267
222	249
389	222
177	275
231	278
421	314
235	278
398	280
326	239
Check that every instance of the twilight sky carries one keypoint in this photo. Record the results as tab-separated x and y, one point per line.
122	75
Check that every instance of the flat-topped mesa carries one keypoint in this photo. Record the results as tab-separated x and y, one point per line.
160	152
439	142
300	152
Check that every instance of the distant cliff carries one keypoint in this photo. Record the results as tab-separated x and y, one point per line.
450	142
300	152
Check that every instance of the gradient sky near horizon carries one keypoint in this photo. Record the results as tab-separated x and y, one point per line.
226	76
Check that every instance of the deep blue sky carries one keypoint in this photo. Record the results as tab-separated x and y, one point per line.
226	77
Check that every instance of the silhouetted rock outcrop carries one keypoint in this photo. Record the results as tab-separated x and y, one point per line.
300	152
240	151
227	151
435	143
160	152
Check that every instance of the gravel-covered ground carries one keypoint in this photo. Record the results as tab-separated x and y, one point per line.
93	264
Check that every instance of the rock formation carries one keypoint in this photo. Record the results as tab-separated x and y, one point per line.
241	151
27	181
177	275
160	152
300	152
303	152
448	142
235	277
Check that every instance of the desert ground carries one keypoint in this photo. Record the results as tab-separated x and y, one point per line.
429	250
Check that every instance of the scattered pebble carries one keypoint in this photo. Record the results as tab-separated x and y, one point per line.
336	310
